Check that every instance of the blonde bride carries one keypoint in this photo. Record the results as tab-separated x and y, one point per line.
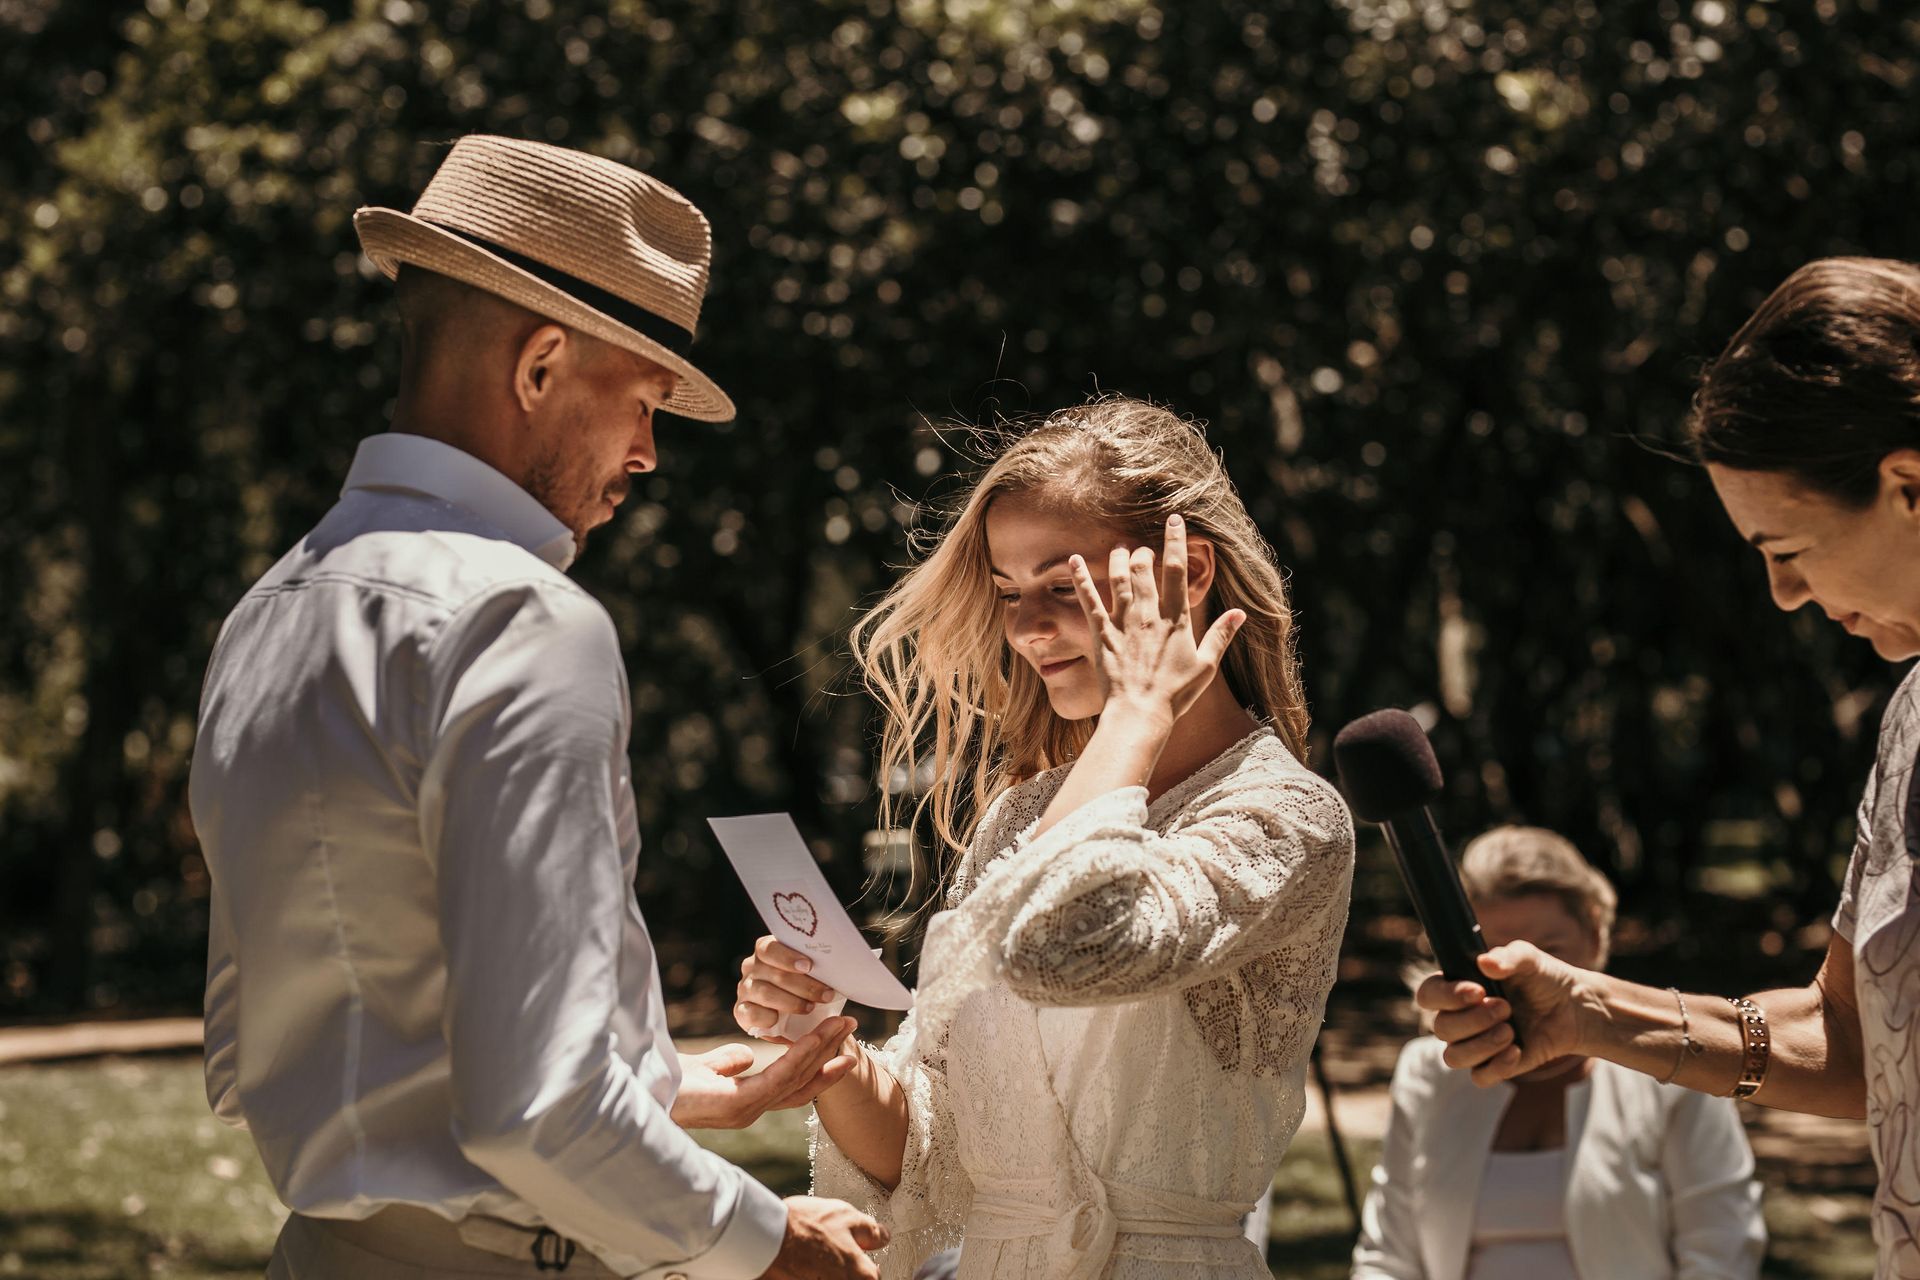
1108	1052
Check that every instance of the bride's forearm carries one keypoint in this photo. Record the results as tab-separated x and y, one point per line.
1125	747
866	1116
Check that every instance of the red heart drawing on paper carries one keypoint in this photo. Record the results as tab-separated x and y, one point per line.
797	911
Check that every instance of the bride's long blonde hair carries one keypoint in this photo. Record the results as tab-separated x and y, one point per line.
969	719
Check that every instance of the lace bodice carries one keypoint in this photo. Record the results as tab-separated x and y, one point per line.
1108	1052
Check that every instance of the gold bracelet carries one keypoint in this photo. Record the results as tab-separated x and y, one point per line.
1688	1045
1758	1046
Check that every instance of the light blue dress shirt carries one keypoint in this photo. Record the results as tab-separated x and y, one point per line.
429	982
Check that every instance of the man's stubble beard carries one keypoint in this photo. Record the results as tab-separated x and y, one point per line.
567	492
561	479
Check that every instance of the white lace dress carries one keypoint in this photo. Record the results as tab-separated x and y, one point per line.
1108	1053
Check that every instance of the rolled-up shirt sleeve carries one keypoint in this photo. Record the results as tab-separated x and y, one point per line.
524	805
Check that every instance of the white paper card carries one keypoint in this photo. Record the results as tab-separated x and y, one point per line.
791	1026
792	896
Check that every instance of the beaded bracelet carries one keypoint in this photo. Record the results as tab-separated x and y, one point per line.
1758	1045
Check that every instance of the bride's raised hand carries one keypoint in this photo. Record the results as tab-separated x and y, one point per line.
1147	654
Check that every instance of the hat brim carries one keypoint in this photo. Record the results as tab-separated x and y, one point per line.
389	237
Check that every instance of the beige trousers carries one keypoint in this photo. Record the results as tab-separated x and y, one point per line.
402	1243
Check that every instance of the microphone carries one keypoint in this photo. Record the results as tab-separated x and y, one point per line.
1390	775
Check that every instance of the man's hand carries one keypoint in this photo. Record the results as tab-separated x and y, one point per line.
826	1240
713	1095
1547	999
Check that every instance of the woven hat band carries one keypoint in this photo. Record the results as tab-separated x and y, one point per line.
652	325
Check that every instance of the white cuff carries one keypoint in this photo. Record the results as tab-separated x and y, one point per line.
747	1245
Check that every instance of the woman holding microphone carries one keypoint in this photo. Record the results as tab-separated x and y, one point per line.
1809	427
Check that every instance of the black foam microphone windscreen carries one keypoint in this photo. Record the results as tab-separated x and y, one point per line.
1386	765
1390	775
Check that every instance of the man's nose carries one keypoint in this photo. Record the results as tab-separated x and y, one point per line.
640	452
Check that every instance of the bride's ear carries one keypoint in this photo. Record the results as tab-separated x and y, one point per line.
1200	564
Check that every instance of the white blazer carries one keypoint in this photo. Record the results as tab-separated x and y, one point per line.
1660	1181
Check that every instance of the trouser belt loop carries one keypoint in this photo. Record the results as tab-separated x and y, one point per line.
551	1250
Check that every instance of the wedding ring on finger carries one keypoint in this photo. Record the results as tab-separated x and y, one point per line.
1120	581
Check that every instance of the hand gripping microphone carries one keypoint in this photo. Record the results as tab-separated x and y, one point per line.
1389	773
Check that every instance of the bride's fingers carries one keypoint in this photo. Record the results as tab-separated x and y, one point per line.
1087	593
770	950
1173	570
755	976
1120	584
783	967
1213	645
1145	590
772	996
754	1017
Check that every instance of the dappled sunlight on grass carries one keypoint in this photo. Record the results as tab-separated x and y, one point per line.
114	1170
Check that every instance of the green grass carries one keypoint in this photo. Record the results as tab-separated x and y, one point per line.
1312	1230
114	1170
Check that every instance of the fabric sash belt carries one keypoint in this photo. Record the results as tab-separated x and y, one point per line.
1084	1233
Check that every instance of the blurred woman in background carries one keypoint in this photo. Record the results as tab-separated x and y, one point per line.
1809	427
1577	1168
1108	1050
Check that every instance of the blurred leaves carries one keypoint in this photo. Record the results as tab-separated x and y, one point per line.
1431	268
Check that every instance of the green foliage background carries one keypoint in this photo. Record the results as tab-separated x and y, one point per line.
1432	269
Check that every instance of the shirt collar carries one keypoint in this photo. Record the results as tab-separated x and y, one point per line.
437	470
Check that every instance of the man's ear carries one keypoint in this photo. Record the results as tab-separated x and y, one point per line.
1200	563
534	371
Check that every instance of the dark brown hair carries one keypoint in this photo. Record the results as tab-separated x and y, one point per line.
1822	382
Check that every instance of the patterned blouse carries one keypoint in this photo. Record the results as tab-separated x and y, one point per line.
1879	915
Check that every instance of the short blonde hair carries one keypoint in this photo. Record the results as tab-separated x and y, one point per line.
1514	862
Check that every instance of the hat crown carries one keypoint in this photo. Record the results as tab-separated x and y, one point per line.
592	218
591	243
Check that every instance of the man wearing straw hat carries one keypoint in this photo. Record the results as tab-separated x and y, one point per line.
431	998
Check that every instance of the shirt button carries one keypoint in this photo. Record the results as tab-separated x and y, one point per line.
676	1275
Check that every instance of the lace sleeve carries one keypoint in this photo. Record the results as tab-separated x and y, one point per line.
926	1211
1239	905
1112	910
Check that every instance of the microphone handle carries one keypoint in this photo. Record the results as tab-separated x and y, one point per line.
1434	885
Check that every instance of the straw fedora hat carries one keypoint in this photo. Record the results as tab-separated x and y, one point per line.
589	242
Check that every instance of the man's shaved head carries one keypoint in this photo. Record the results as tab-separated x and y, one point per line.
564	414
438	313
